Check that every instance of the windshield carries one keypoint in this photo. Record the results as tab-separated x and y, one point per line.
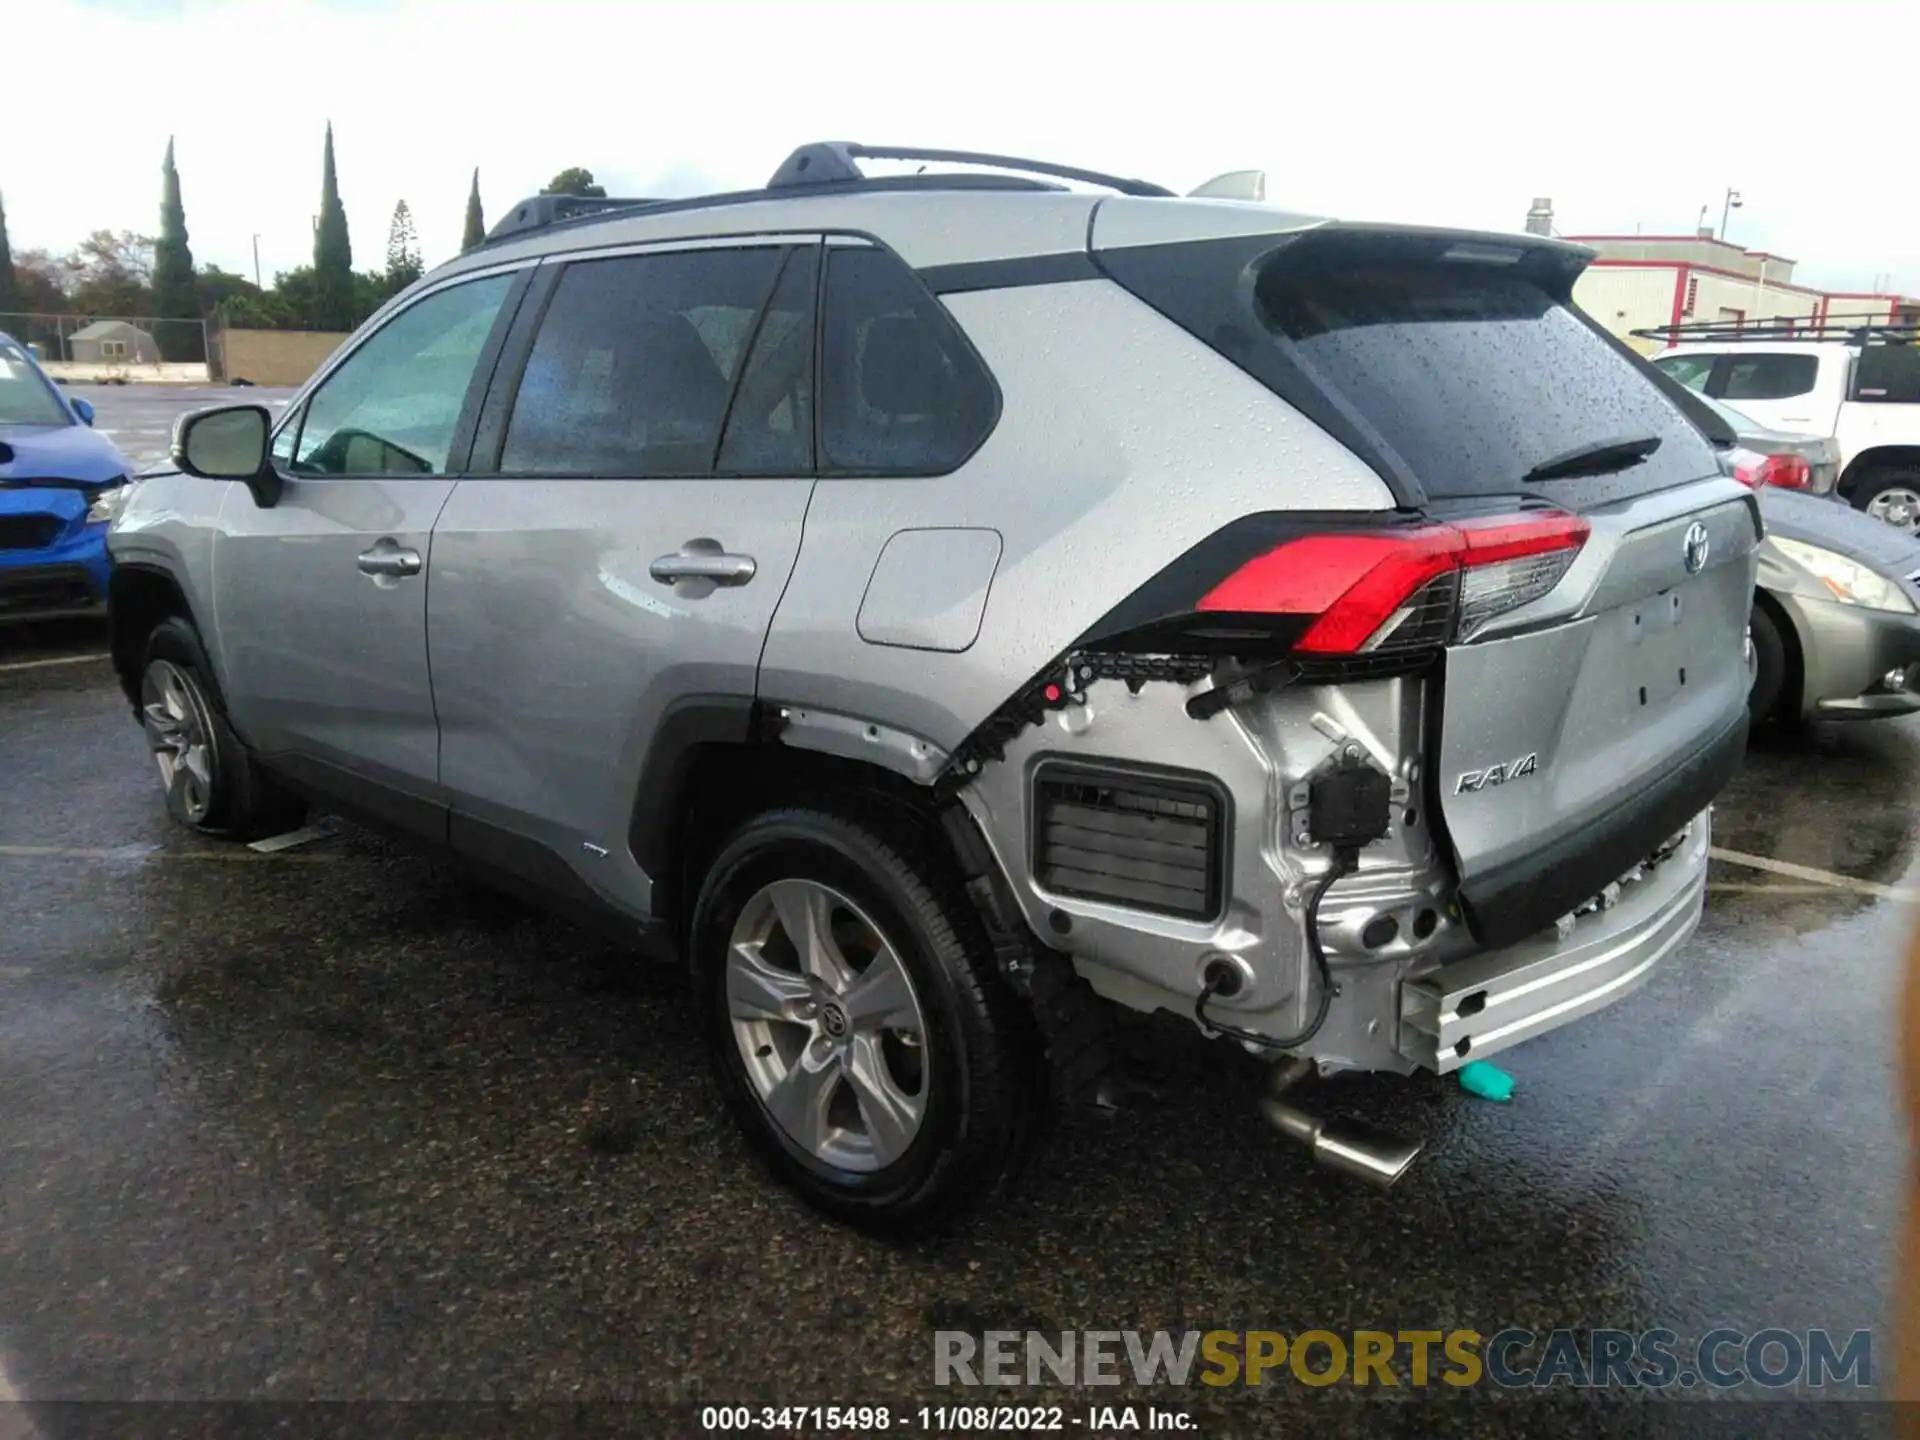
25	396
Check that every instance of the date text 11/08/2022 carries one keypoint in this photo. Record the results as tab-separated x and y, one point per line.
943	1419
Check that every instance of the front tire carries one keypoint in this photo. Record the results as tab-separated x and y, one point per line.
211	784
1765	698
858	1029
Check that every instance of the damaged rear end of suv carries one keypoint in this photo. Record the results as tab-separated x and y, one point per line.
1376	630
1413	757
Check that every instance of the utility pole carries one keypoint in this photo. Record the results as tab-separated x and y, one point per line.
1731	203
256	264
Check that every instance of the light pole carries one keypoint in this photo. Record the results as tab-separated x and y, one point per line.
256	264
1731	203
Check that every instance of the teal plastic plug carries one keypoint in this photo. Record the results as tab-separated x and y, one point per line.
1486	1080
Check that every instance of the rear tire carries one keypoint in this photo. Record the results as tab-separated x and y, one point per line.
211	784
1892	495
1764	700
858	1029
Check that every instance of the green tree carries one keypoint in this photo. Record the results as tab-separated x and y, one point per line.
475	230
175	296
12	301
334	304
574	181
403	251
217	287
111	274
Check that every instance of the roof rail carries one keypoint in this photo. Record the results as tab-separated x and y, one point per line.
819	168
543	210
1854	331
834	161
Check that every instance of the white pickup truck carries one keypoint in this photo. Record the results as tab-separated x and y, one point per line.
1859	385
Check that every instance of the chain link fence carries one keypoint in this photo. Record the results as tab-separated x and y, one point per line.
114	349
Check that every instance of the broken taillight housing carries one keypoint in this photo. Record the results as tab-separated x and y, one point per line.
1752	469
1372	591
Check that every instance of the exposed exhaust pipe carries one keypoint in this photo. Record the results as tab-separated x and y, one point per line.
1348	1146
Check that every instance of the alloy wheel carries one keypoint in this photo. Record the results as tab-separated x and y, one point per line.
178	732
829	1027
1898	506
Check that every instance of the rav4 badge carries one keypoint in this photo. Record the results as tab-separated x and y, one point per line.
1472	780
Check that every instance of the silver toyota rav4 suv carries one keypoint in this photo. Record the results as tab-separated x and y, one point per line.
950	608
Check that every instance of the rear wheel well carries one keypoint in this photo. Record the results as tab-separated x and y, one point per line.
138	601
1880	458
1794	683
723	784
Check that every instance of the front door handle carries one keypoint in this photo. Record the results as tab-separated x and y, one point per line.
695	561
388	560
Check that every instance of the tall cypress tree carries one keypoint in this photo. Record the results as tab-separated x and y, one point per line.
12	306
334	306
175	296
476	227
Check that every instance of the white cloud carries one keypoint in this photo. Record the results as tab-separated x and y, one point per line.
1626	115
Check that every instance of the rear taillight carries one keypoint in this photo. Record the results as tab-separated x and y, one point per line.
1787	472
1398	589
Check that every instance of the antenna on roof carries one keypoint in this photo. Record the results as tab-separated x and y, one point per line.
1234	185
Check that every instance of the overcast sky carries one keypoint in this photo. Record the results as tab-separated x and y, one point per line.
1629	116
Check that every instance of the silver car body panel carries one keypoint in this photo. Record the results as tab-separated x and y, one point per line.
342	676
1111	456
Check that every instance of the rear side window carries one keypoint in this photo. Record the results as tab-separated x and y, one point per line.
1888	375
634	362
1769	377
901	391
1691	371
1475	376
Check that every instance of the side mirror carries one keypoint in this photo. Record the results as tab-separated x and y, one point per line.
84	409
229	442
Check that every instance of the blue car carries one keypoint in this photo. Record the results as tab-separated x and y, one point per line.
60	487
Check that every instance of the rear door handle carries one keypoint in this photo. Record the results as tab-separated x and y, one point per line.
715	565
389	560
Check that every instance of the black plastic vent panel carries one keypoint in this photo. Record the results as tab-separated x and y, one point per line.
1147	844
29	532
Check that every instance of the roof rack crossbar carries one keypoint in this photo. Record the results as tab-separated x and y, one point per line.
829	161
1860	331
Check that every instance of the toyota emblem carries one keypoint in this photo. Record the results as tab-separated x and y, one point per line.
1696	548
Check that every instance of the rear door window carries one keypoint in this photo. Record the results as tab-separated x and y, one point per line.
635	359
1769	377
901	390
770	422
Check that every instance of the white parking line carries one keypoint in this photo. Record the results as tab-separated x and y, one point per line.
150	852
14	1424
1764	887
56	660
1820	877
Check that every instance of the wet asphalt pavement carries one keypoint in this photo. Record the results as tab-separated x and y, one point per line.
340	1124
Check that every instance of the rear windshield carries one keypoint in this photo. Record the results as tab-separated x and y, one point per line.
1454	379
1474	377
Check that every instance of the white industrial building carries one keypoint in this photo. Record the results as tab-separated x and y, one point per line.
1643	281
